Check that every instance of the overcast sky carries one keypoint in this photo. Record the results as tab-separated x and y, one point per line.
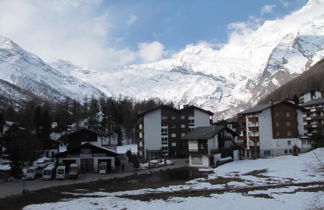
104	33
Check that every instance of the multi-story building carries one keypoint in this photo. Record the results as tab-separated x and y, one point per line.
272	129
314	121
310	96
160	130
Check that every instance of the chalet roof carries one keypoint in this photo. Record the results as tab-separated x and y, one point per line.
195	107
204	132
313	102
82	130
87	146
157	108
260	108
176	110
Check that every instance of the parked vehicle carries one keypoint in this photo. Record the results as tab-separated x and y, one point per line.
31	172
61	172
103	168
73	171
49	172
40	169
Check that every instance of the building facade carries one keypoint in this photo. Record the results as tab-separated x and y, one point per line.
272	129
310	96
314	121
160	130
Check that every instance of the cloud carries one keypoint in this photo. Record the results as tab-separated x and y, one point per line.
240	31
150	52
74	30
132	19
267	9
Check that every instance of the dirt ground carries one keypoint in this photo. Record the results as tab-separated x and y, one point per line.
54	194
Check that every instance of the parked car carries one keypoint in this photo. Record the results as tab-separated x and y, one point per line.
49	172
61	172
103	168
31	172
73	171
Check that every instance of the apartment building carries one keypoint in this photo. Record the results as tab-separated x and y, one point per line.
160	130
310	96
272	129
314	120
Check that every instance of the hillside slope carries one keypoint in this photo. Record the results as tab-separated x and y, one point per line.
313	79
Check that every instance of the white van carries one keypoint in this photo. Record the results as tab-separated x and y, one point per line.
73	171
49	172
103	168
61	172
31	172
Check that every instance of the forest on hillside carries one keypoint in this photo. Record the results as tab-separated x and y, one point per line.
108	115
313	79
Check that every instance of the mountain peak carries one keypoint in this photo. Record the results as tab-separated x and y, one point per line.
6	43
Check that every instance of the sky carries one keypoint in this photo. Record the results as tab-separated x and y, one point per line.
103	34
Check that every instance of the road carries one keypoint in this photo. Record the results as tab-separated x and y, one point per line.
17	186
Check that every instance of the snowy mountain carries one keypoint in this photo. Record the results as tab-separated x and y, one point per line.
24	70
224	80
229	79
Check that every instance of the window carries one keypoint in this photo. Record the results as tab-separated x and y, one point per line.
289	142
173	117
164	140
183	125
183	134
174	144
183	117
276	114
174	126
277	124
164	117
288	123
286	151
193	145
164	131
141	135
196	160
288	133
140	126
267	152
287	114
173	135
278	134
164	149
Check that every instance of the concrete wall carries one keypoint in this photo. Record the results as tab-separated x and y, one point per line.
201	118
152	130
265	131
205	161
212	144
300	123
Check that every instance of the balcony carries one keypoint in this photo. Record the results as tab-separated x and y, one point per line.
254	138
